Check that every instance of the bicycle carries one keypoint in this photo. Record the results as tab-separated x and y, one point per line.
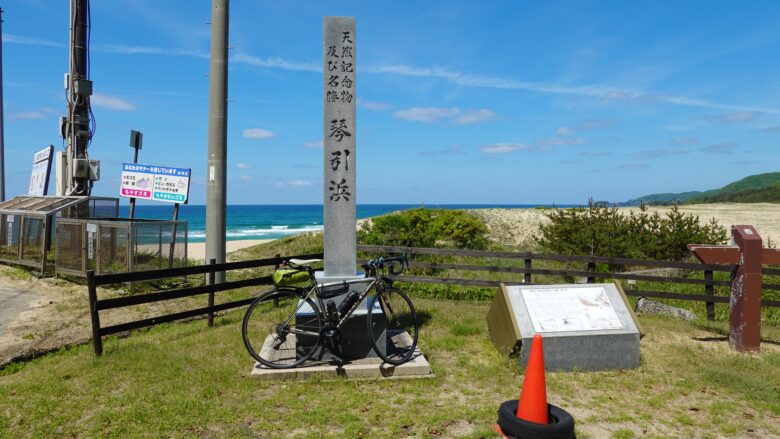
287	325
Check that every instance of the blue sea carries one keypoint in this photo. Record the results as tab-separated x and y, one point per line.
273	221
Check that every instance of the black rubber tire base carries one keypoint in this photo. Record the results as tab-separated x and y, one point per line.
561	424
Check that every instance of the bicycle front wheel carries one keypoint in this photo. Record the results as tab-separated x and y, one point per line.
392	326
280	329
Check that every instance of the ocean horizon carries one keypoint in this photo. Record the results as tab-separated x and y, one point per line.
274	221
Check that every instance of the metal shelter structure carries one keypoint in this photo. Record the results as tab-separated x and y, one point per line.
119	245
28	222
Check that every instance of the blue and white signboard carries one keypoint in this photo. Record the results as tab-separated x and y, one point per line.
39	179
156	183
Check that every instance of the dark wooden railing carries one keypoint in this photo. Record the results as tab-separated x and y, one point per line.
524	266
590	272
96	305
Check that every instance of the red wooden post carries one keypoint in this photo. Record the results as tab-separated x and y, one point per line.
745	305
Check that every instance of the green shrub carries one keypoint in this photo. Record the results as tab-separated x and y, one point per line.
605	231
426	228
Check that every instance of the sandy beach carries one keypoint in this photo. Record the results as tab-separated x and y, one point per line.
197	250
518	227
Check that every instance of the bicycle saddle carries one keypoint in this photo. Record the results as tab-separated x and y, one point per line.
305	261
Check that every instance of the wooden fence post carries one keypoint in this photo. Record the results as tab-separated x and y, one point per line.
592	269
709	291
527	276
97	342
210	281
276	267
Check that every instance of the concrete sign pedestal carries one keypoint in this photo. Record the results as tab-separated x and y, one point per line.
584	326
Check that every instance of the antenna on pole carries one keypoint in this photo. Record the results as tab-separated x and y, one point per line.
79	123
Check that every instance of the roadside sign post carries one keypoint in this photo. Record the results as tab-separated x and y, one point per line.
136	142
748	255
41	170
157	183
173	236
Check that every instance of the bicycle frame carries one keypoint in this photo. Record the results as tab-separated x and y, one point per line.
320	302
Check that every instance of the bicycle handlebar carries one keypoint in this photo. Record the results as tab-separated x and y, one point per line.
381	261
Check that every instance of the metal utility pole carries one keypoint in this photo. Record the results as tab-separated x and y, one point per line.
77	125
217	136
2	132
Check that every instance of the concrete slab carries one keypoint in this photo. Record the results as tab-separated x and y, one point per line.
366	368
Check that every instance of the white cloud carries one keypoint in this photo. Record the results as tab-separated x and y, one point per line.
456	115
449	150
111	102
275	63
686	140
43	113
313	144
426	114
373	106
503	148
595	153
633	166
242	166
730	118
587	125
650	154
123	49
257	133
474	116
15	39
565	131
559	141
720	148
597	91
293	184
245	178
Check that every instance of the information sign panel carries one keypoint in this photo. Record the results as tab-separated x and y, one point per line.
584	326
156	183
39	178
570	309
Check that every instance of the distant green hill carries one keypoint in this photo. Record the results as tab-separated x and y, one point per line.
667	198
759	188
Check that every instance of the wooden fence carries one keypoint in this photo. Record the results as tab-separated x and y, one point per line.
524	265
96	305
590	272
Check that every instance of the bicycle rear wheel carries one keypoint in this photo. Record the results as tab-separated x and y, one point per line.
392	326
280	330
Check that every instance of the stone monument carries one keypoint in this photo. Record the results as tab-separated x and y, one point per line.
584	326
339	68
339	83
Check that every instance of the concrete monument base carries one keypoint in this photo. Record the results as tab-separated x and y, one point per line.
355	344
365	368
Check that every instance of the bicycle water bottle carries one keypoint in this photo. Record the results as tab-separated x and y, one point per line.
350	300
331	313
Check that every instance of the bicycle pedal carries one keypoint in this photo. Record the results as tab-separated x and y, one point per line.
338	361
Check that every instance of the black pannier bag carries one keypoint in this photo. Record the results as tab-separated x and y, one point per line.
332	290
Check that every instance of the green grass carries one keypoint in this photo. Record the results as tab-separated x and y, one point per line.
186	380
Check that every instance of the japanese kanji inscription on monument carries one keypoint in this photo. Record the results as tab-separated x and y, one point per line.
339	70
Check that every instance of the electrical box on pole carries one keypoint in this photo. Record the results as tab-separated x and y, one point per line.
78	127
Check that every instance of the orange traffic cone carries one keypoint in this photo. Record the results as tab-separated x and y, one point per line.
533	398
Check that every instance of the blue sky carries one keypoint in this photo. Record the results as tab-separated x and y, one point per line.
459	102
